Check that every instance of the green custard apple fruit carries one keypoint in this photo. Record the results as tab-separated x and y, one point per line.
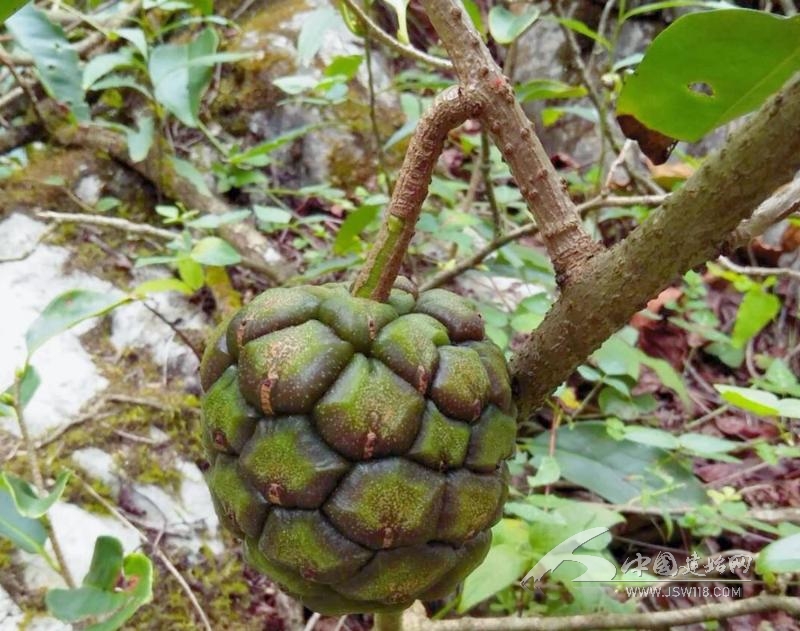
358	448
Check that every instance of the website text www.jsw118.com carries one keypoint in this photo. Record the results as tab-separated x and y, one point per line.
686	591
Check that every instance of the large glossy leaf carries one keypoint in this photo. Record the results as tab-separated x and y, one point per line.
26	499
620	471
25	533
9	7
708	68
55	59
67	310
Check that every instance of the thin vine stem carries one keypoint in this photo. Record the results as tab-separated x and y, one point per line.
38	478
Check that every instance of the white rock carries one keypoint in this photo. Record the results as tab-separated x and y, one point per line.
76	530
89	189
98	465
10	614
68	375
134	326
190	516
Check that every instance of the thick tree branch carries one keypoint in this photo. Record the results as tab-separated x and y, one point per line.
449	110
686	231
481	80
414	621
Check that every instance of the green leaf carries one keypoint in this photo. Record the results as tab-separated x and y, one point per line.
9	7
580	27
779	557
140	140
272	214
190	172
55	58
501	568
136	37
25	497
505	26
179	85
191	272
99	66
106	564
474	13
650	436
71	605
356	222
215	251
709	68
750	399
619	471
295	84
159	285
400	7
757	309
25	533
312	32
100	596
253	155
667	374
790	408
650	7
547	472
705	445
343	66
548	89
70	308
29	384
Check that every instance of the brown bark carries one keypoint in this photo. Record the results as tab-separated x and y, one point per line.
687	231
482	81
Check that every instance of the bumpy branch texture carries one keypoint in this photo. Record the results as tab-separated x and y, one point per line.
386	256
687	231
482	80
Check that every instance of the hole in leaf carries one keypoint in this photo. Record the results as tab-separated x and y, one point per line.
701	87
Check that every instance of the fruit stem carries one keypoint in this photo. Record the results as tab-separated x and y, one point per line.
388	622
450	109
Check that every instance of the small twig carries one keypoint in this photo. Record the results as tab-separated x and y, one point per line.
24	86
486	169
758	271
647	620
156	550
532	228
312	622
373	116
38	479
110	222
780	205
124	398
184	338
387	40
